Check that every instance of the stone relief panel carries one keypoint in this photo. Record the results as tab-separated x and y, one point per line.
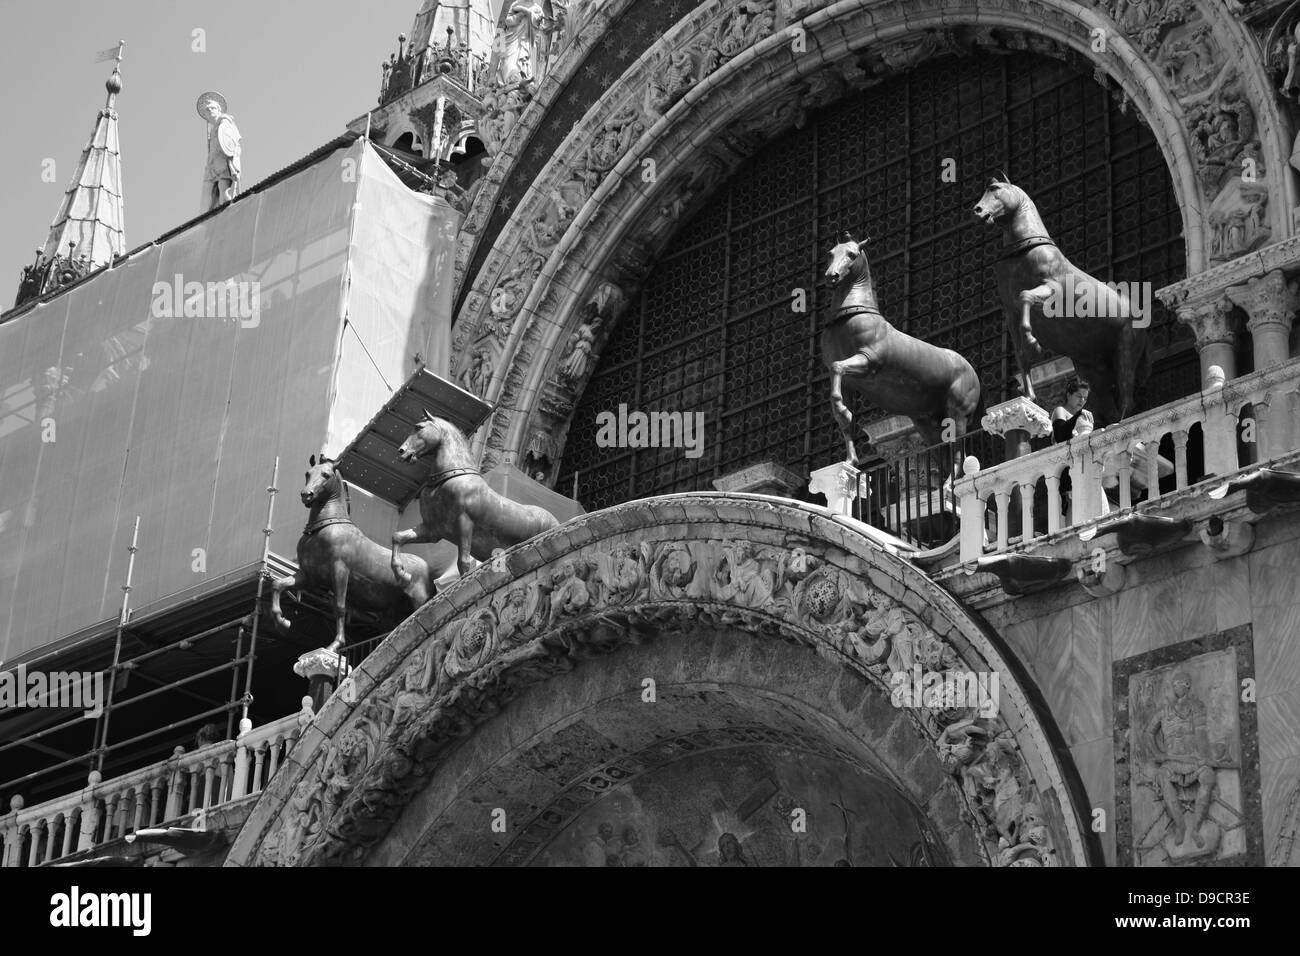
1187	761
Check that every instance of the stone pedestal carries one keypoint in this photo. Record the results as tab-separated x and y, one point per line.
839	483
765	478
323	669
895	437
1018	421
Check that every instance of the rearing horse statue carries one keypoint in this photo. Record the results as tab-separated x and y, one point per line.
456	503
1106	347
891	369
334	555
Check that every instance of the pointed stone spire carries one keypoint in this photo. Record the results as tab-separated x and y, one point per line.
89	228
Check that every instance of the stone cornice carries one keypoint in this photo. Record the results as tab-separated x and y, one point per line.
1215	282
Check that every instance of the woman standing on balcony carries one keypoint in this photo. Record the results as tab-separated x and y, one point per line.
1072	418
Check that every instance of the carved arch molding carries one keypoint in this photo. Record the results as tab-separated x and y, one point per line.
729	76
793	623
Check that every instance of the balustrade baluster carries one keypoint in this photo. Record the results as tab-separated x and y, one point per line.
1053	503
259	757
71	823
1026	512
1124	471
196	790
156	801
1003	498
1180	460
51	837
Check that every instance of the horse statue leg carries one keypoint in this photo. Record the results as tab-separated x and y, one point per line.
857	364
1127	356
295	580
465	562
1024	344
340	603
420	534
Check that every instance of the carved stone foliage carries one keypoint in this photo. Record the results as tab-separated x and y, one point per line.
1186	755
1147	21
628	589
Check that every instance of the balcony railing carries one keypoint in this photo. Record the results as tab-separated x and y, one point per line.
1212	433
179	788
912	496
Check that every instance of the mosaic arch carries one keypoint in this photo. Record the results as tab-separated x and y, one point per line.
578	238
770	633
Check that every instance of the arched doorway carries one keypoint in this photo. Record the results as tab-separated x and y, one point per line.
495	723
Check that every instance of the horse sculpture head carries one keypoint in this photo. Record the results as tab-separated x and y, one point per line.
1000	201
844	255
322	481
429	435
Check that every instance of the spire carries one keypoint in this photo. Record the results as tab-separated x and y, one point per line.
88	230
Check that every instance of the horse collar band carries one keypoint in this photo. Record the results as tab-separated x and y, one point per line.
315	526
1024	245
848	312
434	482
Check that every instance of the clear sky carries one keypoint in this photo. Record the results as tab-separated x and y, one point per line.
294	72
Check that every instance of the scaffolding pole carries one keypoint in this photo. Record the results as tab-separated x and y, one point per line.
101	746
262	575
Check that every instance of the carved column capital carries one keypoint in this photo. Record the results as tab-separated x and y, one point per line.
1267	300
1018	413
839	483
1211	320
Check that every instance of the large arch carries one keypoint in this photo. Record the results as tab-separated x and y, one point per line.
590	224
796	619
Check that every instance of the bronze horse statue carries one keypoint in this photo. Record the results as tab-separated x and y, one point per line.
892	370
333	555
1102	340
456	503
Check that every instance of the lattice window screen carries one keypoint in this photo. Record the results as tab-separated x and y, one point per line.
713	330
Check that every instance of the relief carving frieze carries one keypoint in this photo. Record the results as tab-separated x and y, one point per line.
1186	755
624	590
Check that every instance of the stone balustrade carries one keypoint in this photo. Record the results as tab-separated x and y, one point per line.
1248	420
174	789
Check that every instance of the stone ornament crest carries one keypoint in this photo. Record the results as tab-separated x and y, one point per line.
622	590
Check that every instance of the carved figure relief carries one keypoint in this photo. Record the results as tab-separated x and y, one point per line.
1188	793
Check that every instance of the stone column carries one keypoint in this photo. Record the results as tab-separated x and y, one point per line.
1017	421
1270	304
1216	333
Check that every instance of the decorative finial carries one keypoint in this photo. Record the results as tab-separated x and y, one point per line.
114	82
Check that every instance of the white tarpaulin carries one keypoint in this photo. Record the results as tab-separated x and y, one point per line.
121	398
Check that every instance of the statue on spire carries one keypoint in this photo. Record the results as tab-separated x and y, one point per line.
221	175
